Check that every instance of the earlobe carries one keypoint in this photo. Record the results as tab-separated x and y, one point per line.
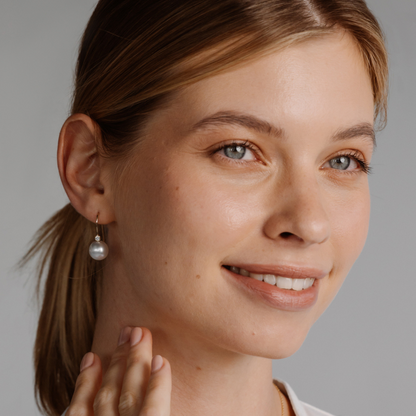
80	168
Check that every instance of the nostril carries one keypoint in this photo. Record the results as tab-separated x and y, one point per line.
290	236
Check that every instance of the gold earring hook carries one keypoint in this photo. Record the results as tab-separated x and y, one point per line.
96	225
97	237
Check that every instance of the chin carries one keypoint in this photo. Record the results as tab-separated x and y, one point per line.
281	348
267	342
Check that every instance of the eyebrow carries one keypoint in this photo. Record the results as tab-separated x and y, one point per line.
254	123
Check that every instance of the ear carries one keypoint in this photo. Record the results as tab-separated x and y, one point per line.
83	171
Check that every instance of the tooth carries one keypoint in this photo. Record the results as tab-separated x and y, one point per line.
270	278
306	283
298	284
235	269
311	281
257	276
244	272
284	282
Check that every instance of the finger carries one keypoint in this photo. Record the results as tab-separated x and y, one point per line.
159	389
86	387
137	372
106	401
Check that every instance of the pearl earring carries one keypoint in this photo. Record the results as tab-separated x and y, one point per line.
98	249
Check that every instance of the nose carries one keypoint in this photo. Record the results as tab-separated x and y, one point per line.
299	213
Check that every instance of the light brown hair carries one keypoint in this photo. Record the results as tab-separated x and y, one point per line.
133	57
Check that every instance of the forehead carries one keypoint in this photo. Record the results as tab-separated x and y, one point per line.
319	80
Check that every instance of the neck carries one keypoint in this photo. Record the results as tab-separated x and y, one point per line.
205	376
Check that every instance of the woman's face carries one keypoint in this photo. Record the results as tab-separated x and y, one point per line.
287	196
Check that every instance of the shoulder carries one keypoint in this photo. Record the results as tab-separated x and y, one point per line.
300	408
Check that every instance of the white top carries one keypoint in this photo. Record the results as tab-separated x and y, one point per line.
300	408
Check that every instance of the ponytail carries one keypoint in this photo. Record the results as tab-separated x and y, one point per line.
68	314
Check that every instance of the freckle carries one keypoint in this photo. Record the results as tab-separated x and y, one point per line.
198	368
177	188
254	333
166	262
198	276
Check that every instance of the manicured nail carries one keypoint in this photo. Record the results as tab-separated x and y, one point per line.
87	361
136	336
157	363
124	335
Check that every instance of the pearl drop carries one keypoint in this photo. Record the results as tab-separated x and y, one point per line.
98	250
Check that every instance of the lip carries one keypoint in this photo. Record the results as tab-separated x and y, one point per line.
273	296
291	271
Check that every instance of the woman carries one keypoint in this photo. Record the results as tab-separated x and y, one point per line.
221	150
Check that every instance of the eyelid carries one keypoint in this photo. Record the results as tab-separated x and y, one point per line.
352	152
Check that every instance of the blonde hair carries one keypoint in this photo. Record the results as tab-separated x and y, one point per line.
133	57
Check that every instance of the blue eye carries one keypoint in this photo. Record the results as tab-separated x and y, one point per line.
350	162
234	152
340	162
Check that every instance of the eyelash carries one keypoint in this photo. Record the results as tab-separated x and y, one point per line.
364	166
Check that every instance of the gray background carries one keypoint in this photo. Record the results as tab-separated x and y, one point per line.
359	358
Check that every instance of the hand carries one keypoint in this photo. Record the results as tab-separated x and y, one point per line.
134	384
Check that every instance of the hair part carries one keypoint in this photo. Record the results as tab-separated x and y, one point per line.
134	56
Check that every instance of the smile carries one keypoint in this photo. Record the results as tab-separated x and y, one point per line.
274	280
284	287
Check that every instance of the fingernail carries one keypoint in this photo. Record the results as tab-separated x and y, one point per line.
136	336
87	361
157	363
124	335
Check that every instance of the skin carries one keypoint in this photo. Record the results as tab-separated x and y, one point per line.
179	211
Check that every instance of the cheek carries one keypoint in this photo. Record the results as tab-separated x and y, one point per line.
211	215
182	219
